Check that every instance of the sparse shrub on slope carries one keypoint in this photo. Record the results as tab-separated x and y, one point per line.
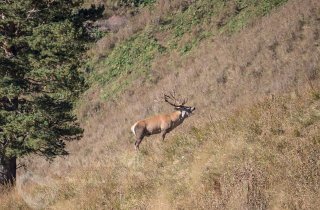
127	62
120	3
175	32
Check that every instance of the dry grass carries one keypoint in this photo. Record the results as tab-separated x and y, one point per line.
253	143
261	161
11	199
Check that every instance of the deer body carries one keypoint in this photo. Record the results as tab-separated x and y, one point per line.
162	123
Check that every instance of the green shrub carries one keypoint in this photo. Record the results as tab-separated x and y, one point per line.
128	61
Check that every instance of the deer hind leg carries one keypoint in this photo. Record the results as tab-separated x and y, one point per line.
140	136
138	142
135	143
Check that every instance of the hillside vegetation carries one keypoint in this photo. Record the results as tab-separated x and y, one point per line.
252	70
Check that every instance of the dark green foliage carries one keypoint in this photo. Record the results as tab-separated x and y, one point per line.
137	3
128	61
42	44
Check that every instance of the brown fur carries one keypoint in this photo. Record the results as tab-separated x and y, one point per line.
162	123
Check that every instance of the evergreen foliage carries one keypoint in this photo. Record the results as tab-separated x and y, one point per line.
42	44
136	3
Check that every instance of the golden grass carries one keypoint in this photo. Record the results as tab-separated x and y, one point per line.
263	156
252	144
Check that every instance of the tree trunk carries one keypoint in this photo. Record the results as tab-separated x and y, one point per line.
8	170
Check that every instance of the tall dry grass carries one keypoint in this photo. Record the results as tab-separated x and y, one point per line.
252	144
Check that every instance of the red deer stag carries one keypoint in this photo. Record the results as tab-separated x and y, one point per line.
163	123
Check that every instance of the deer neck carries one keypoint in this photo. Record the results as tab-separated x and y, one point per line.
178	116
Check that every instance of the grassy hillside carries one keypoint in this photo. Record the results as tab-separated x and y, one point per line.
166	34
251	68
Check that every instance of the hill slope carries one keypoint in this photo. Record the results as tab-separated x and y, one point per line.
251	69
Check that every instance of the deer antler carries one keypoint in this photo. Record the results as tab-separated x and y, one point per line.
172	97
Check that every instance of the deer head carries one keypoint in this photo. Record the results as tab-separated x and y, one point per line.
171	99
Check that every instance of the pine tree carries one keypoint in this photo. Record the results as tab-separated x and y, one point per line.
42	45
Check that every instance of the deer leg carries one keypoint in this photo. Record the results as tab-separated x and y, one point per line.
139	140
163	134
135	144
139	136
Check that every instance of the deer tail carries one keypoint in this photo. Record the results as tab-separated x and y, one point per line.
133	128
